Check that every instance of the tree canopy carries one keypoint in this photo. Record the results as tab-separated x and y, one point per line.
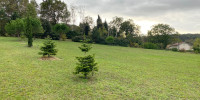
162	33
61	29
54	11
15	27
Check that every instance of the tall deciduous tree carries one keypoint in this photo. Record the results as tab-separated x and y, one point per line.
12	6
14	16
161	33
36	6
86	25
54	10
88	20
116	23
129	27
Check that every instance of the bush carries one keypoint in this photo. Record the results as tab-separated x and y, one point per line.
72	34
55	36
61	29
7	35
63	37
149	45
110	40
160	46
49	48
174	49
23	37
121	42
136	45
196	45
196	49
78	39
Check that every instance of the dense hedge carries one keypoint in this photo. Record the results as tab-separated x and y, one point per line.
149	45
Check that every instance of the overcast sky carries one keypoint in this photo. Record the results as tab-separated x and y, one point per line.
183	15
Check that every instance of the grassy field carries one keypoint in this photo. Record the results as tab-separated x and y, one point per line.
124	73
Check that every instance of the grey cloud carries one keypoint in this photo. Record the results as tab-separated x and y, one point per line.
140	7
184	15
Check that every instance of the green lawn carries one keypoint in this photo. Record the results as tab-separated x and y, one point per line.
124	73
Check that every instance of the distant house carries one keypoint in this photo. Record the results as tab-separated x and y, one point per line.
180	46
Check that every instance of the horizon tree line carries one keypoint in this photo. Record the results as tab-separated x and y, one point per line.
53	12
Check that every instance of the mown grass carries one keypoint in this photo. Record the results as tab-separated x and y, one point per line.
124	73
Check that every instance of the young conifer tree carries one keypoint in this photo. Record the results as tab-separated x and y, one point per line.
86	64
49	48
29	32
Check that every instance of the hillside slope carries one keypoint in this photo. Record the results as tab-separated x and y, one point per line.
124	73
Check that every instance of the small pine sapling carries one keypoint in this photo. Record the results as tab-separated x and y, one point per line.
86	64
85	48
49	48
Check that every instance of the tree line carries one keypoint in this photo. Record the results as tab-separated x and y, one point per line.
52	18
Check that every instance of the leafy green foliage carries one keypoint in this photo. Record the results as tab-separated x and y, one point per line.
77	38
86	64
121	42
72	34
85	28
37	26
47	28
61	29
32	26
116	24
14	16
34	21
129	27
99	35
15	27
49	48
149	45
161	33
54	11
196	45
110	40
3	20
31	11
12	6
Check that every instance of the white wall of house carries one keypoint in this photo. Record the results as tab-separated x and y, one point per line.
184	46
